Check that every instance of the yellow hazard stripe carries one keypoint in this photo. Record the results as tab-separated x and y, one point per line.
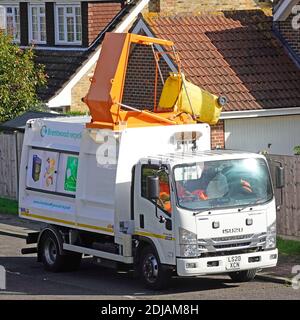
154	235
95	227
71	223
87	226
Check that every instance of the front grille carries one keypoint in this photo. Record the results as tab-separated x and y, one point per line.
232	238
225	244
232	245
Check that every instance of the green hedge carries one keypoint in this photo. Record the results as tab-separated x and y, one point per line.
289	247
8	206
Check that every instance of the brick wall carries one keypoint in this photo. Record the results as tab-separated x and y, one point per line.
217	135
140	78
292	36
139	81
178	6
80	90
99	15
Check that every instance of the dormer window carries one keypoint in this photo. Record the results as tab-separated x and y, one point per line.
68	24
37	24
13	22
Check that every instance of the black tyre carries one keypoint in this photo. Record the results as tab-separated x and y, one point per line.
51	257
243	276
153	274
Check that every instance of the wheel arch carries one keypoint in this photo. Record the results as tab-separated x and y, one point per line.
144	242
57	233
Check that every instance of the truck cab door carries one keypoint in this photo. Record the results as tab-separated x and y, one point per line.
158	229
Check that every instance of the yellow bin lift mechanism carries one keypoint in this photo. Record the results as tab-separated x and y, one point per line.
181	102
180	94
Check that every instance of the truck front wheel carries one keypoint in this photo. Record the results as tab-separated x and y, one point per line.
51	257
154	275
243	276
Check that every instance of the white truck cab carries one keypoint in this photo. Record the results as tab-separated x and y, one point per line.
218	215
155	199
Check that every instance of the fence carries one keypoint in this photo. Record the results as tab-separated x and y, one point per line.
10	156
288	217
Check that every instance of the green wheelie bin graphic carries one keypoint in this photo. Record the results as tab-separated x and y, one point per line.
71	174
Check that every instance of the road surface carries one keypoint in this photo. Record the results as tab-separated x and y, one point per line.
26	279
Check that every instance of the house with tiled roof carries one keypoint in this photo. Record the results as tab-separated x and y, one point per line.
67	37
229	47
233	52
287	26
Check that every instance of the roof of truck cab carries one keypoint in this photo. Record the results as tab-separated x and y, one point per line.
195	156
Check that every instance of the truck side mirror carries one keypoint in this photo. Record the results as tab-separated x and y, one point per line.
153	187
280	177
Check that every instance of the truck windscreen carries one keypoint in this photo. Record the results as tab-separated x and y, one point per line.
222	183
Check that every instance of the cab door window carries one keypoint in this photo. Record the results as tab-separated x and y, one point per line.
164	201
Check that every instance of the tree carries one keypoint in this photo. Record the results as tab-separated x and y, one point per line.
19	79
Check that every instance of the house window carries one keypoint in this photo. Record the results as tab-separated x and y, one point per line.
37	26
68	24
13	22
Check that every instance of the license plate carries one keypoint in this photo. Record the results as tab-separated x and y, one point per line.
233	263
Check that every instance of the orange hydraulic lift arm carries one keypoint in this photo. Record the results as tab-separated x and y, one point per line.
104	97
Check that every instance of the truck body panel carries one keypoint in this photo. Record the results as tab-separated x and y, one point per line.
106	196
104	162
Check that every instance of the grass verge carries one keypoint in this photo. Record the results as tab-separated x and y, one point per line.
288	247
8	206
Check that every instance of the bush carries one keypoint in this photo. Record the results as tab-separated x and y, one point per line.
19	79
297	151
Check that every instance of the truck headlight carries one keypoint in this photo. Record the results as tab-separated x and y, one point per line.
271	236
187	237
189	250
188	243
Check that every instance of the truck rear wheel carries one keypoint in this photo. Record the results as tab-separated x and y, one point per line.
154	275
243	276
51	257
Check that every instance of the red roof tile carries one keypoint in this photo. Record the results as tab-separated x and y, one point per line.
235	54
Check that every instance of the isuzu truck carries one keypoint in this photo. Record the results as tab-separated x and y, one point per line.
143	189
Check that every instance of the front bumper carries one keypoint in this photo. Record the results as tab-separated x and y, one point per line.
213	265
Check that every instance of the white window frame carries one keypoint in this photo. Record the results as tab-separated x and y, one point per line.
39	15
17	40
65	6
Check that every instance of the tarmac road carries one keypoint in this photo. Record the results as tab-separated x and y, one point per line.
26	279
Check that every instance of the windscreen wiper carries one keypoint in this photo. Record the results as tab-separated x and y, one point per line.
201	211
249	205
